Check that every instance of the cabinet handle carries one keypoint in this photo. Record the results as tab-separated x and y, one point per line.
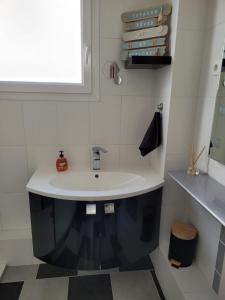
109	208
90	209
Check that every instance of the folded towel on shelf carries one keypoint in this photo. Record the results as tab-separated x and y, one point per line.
154	51
153	136
157	42
152	12
149	33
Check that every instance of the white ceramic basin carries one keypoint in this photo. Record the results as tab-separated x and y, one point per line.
92	185
89	181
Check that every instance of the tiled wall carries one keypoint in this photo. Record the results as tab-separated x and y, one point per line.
209	82
190	63
183	96
31	132
209	235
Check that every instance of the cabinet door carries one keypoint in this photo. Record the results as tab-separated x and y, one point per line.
64	234
42	222
88	240
78	235
137	225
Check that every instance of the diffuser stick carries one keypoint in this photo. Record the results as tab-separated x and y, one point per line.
199	155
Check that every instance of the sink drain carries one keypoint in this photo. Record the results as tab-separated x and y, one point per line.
96	176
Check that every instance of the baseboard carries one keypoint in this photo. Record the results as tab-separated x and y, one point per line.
167	282
2	269
181	284
16	247
17	234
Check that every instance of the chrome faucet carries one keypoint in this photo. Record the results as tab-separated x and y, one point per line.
96	157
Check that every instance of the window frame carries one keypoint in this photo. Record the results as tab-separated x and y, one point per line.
65	88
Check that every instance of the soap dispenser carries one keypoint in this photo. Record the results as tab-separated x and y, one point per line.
61	163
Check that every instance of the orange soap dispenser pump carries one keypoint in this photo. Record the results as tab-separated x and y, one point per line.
61	163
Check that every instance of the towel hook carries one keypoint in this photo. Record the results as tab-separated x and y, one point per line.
160	107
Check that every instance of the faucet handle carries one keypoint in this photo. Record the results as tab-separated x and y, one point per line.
99	149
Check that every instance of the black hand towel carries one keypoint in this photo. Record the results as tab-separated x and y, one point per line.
153	136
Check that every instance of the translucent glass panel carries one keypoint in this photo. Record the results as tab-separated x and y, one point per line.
40	41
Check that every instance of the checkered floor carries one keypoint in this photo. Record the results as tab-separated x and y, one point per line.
46	282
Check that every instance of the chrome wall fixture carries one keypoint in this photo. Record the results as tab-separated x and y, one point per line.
160	107
114	73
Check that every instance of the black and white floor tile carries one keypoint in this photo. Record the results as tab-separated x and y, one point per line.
46	282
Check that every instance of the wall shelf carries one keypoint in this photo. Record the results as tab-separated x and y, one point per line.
205	190
148	62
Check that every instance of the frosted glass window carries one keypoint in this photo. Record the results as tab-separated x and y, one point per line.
41	41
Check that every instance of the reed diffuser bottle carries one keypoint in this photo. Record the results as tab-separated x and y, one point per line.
193	169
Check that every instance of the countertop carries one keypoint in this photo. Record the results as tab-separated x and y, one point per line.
205	190
93	185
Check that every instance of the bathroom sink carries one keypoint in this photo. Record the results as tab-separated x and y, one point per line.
93	185
92	181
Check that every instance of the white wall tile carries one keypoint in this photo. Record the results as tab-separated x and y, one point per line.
212	54
187	63
216	12
135	82
110	99
13	169
181	126
203	125
110	52
42	156
209	234
191	280
133	4
73	128
105	122
40	119
111	23
137	114
109	160
176	162
16	252
173	209
45	156
78	157
130	158
14	211
162	82
190	18
11	124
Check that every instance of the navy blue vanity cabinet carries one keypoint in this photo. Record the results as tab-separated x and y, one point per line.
65	235
138	223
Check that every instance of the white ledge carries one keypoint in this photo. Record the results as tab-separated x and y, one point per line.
209	193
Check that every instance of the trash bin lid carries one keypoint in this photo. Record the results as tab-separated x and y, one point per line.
184	231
